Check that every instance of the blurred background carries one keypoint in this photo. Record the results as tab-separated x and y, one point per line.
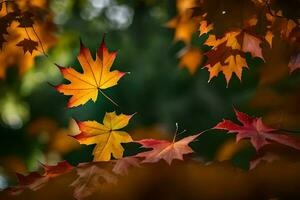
35	122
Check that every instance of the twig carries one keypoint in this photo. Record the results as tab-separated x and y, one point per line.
39	41
27	33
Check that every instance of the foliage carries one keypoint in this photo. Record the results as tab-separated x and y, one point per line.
227	39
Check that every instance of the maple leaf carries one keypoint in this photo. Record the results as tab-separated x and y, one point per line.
228	53
233	64
254	129
183	5
252	44
35	181
191	59
96	76
281	25
107	136
185	26
56	170
28	45
122	165
90	178
166	150
205	27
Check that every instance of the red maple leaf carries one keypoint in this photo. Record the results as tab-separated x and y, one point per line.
166	150
35	181
122	165
258	133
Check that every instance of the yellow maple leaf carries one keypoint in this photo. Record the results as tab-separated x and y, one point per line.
107	136
213	41
96	76
232	40
235	65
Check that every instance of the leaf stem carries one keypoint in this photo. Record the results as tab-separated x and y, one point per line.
174	138
27	33
39	41
108	98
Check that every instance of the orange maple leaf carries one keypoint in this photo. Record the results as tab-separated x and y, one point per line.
191	59
186	22
228	53
96	76
205	27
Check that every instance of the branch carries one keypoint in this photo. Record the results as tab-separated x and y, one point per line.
39	41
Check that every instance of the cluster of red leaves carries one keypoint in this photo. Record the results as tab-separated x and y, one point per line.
91	176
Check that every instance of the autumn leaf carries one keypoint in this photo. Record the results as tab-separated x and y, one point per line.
56	170
191	59
122	165
28	45
96	76
251	44
166	150
183	5
228	53
185	24
90	178
107	136
35	181
254	129
280	25
205	27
